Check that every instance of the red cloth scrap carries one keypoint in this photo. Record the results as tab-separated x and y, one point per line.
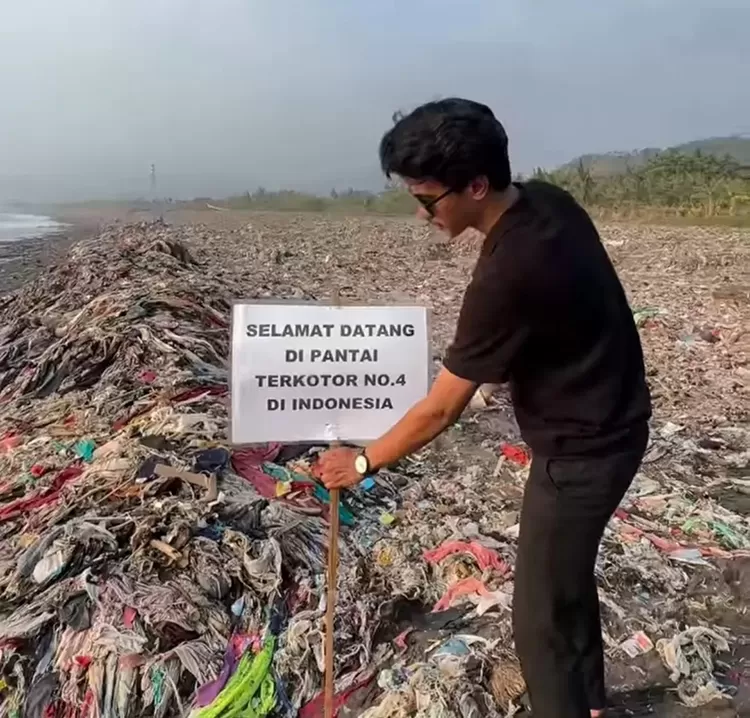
515	454
464	587
400	640
9	441
485	557
129	615
315	708
40	498
664	545
248	463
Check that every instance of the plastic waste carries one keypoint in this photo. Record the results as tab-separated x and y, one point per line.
84	449
485	558
516	454
465	587
692	556
145	583
690	656
644	314
387	519
454	647
637	645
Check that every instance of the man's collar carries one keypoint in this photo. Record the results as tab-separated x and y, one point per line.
507	221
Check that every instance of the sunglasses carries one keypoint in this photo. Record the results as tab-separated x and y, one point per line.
429	202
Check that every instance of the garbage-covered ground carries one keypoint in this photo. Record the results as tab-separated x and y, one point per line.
149	569
21	260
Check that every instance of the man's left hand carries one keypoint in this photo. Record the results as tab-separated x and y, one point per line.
335	468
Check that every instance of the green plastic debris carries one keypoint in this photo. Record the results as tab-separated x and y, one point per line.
250	692
387	519
263	704
60	448
27	479
728	537
346	516
694	525
84	449
641	316
157	679
283	475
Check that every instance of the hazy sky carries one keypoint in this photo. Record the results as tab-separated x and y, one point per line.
227	95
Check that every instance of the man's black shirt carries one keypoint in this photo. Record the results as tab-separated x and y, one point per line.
545	311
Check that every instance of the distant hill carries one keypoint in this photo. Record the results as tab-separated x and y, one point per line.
612	163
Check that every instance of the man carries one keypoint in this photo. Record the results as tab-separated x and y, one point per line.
546	313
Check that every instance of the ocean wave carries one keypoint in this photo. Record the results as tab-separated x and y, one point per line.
22	226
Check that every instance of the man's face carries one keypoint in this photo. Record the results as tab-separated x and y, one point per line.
447	211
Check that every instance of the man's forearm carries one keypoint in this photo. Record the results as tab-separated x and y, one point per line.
418	427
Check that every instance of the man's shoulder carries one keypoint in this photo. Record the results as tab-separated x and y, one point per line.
546	236
551	212
544	199
541	207
542	212
541	189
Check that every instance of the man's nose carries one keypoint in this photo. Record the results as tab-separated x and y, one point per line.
423	214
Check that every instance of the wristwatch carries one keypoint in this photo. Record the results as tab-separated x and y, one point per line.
362	464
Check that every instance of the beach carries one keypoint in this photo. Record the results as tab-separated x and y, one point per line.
29	243
122	351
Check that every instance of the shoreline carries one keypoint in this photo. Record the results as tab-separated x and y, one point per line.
22	260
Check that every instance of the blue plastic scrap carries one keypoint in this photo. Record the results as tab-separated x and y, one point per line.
284	475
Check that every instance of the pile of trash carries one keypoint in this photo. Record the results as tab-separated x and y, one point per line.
147	568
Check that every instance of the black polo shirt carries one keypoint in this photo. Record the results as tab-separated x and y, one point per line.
545	311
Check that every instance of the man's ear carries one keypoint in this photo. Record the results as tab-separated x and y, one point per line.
479	188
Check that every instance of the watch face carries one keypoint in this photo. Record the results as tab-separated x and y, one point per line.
360	464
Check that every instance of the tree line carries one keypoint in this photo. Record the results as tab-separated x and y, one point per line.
673	182
669	183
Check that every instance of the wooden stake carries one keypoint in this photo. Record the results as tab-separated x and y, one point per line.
333	565
333	569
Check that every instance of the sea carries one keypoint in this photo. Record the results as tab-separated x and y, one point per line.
26	226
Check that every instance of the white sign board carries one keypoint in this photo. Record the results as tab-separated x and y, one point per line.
308	372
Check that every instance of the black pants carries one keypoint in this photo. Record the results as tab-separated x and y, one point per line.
556	622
